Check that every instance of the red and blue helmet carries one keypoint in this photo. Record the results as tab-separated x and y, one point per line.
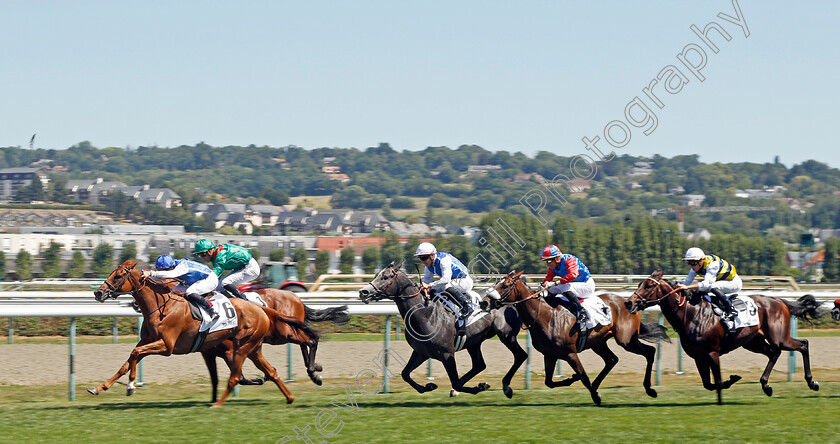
165	262
551	251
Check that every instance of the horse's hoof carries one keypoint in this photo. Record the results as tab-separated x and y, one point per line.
93	391
596	398
130	391
483	386
215	406
814	385
453	393
651	392
767	390
290	399
318	368
508	392
317	380
430	386
734	378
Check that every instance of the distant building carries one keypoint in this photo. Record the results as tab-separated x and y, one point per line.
11	179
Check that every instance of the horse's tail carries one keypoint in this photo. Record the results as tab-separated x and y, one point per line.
805	307
652	332
338	315
277	321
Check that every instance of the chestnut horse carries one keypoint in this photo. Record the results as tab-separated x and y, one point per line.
704	338
169	328
554	334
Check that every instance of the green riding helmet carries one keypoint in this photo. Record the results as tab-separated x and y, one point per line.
202	246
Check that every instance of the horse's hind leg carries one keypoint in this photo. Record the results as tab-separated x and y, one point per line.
270	373
610	360
649	352
801	345
574	362
452	372
759	345
413	362
210	361
550	366
519	356
235	366
308	352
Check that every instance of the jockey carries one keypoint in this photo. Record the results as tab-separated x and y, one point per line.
719	278
229	257
195	279
575	280
453	276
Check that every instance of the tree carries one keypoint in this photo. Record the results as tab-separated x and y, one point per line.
300	256
255	253
52	261
76	269
23	265
103	259
2	265
392	251
322	262
31	192
129	252
277	255
831	264
347	260
370	259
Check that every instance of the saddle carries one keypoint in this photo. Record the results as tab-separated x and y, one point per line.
195	310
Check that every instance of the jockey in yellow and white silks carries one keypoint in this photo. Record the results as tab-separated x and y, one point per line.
719	278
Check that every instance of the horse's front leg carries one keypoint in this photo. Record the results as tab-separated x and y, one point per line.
478	364
210	361
158	347
550	366
413	362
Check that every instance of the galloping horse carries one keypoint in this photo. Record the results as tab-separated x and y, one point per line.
288	304
835	312
704	338
553	334
169	328
430	331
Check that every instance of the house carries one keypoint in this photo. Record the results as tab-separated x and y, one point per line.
92	191
641	169
262	215
339	176
330	169
526	177
677	190
693	200
483	169
11	179
699	234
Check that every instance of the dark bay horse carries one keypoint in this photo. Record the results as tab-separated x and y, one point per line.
169	328
835	312
704	338
430	331
289	304
554	334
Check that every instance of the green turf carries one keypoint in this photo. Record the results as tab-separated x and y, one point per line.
683	412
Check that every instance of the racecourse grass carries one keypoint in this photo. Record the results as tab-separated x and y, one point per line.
683	412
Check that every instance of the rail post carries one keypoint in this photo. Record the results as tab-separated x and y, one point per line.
139	363
792	354
385	356
115	331
528	361
11	330
72	340
289	377
659	354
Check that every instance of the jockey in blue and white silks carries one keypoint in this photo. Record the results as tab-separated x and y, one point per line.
453	275
575	280
196	279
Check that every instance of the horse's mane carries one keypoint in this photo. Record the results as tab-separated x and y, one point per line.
163	286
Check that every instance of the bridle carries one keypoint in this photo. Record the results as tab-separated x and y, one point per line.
114	289
648	303
380	293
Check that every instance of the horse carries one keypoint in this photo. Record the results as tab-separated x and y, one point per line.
431	333
835	312
553	334
288	304
705	339
169	328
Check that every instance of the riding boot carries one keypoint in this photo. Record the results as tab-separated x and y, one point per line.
234	292
724	302
201	302
578	310
465	306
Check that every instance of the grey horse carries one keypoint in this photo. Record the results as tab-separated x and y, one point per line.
431	333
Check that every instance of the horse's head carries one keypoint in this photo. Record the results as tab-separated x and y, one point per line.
117	283
510	288
835	312
383	285
649	292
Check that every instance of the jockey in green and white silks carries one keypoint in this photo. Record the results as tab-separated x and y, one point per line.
453	276
719	278
229	257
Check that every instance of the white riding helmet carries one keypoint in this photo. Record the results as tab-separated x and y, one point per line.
425	248
694	253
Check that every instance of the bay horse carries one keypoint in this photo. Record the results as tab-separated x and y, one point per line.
705	339
430	331
169	328
288	304
835	312
553	334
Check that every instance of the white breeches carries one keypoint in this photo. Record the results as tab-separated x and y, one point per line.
583	290
729	287
241	276
203	286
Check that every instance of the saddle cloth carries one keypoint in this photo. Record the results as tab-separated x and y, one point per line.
598	310
475	313
255	298
227	315
747	312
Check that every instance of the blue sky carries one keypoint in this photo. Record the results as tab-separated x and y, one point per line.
515	76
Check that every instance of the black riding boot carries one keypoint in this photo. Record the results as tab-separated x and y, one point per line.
234	292
465	306
579	311
729	311
201	302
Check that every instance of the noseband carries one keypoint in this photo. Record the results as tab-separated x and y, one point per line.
659	282
379	293
114	289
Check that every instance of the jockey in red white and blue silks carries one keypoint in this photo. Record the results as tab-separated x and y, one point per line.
575	280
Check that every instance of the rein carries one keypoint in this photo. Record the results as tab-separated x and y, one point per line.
659	283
